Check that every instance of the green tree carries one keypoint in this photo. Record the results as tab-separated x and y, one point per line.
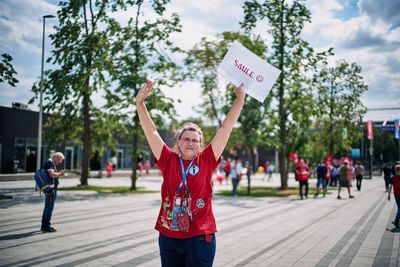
386	147
290	121
82	45
7	72
203	61
143	51
340	108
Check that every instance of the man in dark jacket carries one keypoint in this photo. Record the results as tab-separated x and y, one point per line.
50	166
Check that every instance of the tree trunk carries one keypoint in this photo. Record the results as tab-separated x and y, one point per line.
86	138
248	165
282	108
331	136
134	155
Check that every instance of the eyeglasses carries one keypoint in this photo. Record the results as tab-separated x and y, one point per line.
188	140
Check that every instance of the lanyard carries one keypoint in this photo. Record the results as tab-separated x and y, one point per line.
184	175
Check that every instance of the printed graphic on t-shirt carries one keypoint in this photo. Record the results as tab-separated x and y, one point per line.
194	170
200	203
166	216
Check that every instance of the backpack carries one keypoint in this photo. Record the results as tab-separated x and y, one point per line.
43	182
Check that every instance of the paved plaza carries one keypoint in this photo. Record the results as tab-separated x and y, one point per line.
99	229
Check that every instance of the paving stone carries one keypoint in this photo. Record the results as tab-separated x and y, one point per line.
118	230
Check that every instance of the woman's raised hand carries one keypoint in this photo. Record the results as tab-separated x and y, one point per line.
144	92
240	94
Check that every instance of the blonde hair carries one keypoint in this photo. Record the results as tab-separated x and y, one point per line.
188	126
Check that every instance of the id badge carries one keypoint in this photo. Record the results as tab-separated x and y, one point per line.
186	206
175	212
183	221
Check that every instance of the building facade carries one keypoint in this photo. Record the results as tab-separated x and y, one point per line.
18	144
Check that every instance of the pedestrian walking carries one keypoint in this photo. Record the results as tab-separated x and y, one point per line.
322	180
50	166
395	184
344	178
236	172
114	162
335	174
147	166
302	175
359	171
387	174
227	170
186	222
109	169
266	170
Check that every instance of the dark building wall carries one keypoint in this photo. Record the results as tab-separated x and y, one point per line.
16	123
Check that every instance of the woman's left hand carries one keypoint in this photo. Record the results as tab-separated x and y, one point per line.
144	92
240	94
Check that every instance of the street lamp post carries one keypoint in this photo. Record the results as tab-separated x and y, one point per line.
39	145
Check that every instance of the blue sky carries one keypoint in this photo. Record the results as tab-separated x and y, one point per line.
365	31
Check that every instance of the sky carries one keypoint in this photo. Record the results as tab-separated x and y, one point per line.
366	32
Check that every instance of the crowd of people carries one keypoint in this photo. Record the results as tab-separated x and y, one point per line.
338	172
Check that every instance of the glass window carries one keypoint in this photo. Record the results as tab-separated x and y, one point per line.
19	155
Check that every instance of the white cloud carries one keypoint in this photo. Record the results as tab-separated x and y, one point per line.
386	10
370	39
370	42
21	24
187	96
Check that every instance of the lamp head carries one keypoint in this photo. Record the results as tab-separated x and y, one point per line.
48	16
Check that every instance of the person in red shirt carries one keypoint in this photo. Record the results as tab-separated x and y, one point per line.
109	169
186	222
227	170
395	184
302	175
147	167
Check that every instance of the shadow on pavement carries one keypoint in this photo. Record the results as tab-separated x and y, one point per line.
19	236
393	230
25	195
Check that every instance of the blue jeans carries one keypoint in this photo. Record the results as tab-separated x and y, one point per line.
397	219
235	183
48	208
196	251
387	181
321	181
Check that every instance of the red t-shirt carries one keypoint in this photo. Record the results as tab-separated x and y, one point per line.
302	172
200	187
396	185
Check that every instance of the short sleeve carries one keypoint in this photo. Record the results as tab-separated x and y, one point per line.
165	157
48	165
208	156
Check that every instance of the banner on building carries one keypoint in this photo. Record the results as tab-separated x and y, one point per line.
397	129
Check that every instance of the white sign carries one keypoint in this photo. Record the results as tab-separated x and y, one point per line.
240	65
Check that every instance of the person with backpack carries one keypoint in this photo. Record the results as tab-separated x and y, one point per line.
50	166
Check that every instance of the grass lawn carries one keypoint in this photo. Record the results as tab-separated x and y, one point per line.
267	191
107	189
5	197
